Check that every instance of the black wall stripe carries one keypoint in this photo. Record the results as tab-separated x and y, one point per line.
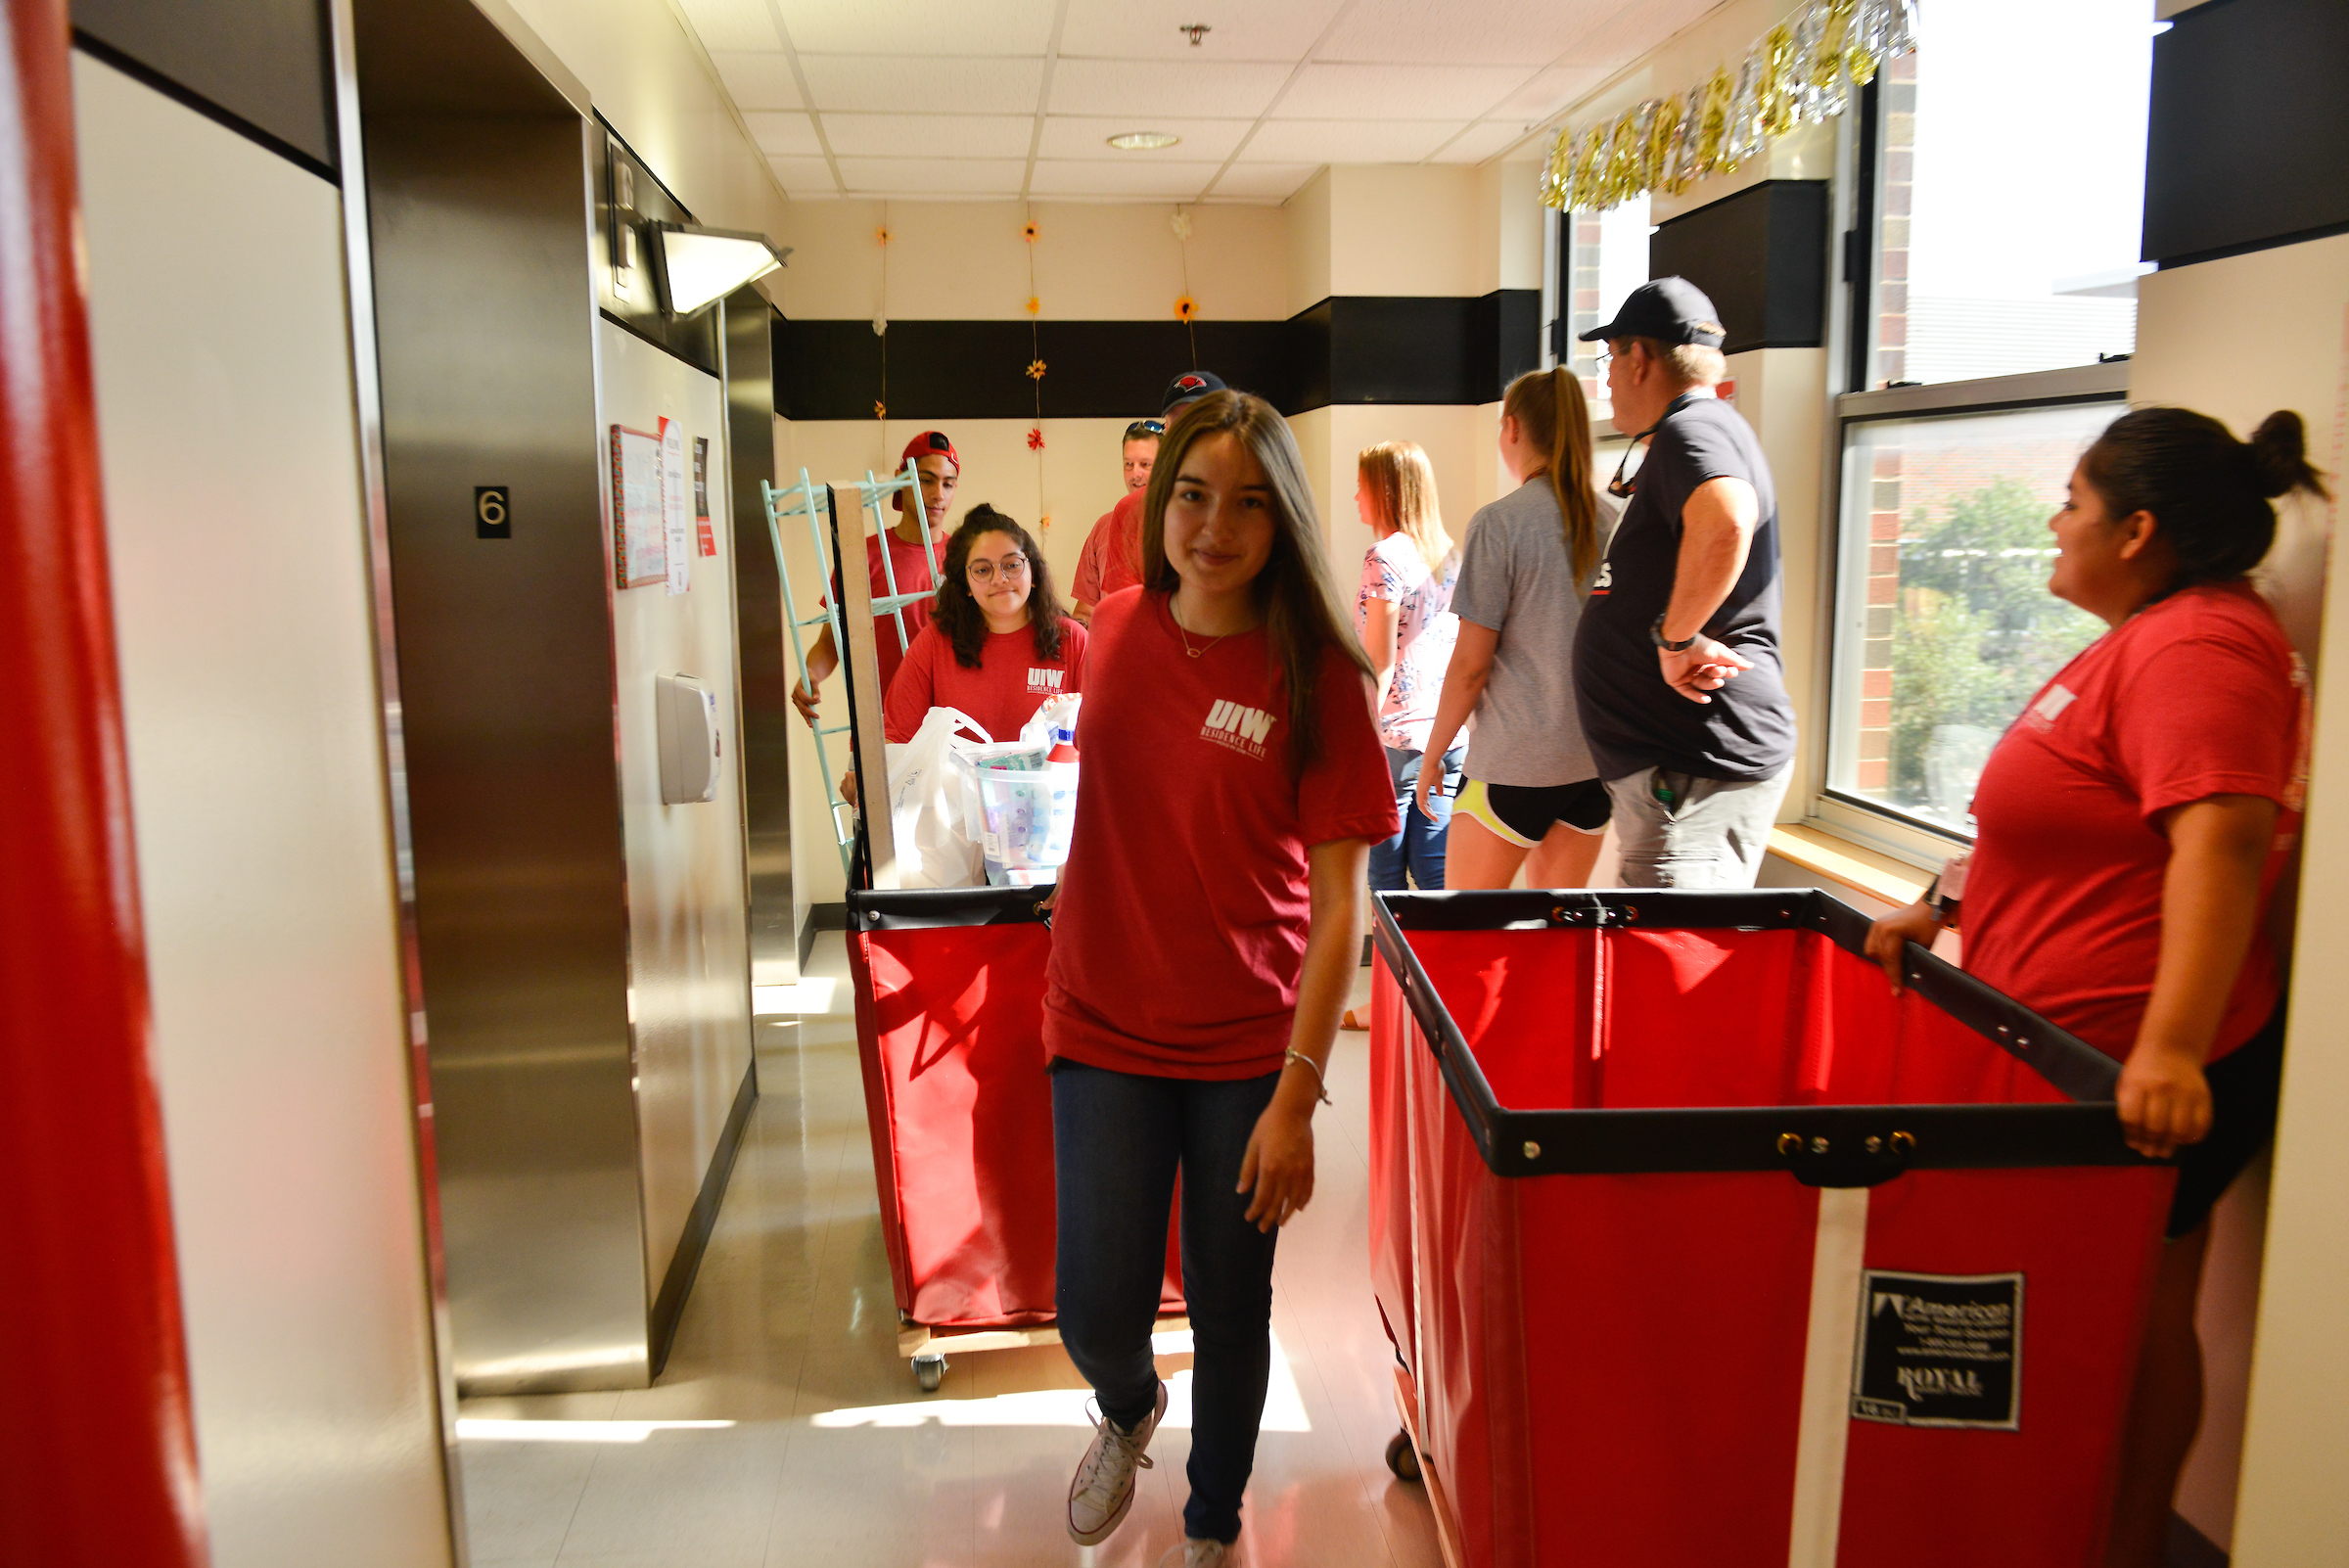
1760	257
257	67
1348	349
2245	131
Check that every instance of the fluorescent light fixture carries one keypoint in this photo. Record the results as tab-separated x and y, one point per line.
1143	141
698	268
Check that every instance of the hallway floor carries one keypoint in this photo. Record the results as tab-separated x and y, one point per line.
786	1429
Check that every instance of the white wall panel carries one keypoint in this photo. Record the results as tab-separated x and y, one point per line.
238	553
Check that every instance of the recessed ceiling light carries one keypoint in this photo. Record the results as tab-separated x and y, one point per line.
1142	141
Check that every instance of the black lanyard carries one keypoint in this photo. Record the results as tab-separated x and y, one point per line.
1622	487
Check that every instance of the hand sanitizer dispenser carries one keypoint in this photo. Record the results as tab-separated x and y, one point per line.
686	711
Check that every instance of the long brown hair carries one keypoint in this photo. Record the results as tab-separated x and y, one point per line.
957	614
1295	591
1401	485
1548	407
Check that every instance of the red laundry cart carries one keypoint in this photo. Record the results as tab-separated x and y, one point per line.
949	991
1698	1247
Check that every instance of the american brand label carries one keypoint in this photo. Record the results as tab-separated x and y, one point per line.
1939	1350
1242	729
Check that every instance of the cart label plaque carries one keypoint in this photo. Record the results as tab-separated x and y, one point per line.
1939	1350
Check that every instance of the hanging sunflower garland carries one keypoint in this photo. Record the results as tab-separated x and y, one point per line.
1799	72
1029	231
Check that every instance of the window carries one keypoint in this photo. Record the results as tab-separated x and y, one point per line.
1945	627
2008	190
1602	257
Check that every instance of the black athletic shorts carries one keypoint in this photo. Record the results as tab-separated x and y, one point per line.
1522	813
2243	1085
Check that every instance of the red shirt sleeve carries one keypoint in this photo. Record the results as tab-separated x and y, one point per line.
2209	715
912	688
1347	793
1086	588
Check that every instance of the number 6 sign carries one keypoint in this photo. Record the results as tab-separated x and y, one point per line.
492	518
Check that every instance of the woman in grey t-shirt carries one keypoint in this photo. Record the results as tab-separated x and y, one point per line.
1533	797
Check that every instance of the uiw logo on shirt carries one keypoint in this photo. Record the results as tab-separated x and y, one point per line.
2051	703
1044	681
1243	729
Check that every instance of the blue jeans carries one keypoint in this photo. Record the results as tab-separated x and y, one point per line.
1419	847
1118	1140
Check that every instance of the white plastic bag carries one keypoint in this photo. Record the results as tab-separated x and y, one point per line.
925	805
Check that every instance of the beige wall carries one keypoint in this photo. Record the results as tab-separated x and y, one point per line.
242	606
1782	393
2204	342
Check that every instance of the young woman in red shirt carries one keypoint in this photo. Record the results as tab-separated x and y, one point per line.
1207	930
2130	828
998	644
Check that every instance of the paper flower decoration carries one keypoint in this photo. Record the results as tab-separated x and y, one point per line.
1035	306
880	409
881	234
1044	523
880	326
1035	438
1185	308
1028	231
1181	225
1035	370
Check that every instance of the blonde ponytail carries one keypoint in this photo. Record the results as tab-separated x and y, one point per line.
1550	408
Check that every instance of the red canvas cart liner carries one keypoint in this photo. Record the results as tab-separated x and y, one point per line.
1699	1247
949	988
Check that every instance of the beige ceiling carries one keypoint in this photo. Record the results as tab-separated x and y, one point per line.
1013	98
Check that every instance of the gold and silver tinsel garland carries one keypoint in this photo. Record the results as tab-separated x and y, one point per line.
1799	72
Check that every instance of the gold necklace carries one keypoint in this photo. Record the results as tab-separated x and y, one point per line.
1183	633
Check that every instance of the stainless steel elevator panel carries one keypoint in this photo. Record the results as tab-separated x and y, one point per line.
584	964
765	674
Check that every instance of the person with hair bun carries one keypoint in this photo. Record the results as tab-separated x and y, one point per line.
2130	830
1533	797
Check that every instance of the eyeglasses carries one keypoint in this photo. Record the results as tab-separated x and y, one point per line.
1014	568
1145	430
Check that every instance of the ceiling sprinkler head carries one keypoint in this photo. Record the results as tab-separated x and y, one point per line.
1198	31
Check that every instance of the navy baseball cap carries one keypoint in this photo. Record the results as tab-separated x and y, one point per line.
1667	309
1189	388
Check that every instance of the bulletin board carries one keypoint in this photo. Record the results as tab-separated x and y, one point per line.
639	529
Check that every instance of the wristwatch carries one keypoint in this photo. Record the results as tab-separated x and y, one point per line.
1655	634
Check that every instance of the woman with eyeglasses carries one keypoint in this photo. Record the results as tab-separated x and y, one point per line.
1533	796
998	644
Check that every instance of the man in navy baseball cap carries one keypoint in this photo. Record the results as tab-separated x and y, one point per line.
1188	388
1671	311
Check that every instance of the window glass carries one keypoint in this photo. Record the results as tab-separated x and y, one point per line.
1606	258
2012	157
1945	627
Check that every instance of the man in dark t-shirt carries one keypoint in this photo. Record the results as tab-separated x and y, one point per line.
1677	675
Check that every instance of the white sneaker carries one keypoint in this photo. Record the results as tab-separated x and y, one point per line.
1102	1490
1197	1554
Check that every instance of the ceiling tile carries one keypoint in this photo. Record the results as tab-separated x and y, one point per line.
1237	29
1402	92
783	135
804	178
1479	141
1263	181
1633	31
757	82
1551	91
1346	141
933	176
1134	181
1127	88
929	135
1070	136
1487	31
939	27
731	24
886	83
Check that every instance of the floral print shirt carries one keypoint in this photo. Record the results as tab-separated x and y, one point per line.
1425	631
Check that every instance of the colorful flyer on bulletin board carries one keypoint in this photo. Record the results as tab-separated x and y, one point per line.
703	536
639	532
678	540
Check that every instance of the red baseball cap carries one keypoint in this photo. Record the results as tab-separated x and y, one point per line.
924	444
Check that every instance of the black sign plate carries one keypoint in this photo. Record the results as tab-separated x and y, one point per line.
492	513
1940	1349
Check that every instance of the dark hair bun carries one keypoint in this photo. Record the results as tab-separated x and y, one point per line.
2279	455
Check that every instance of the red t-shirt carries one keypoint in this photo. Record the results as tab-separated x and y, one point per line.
912	567
1009	685
1179	933
1111	557
2195	695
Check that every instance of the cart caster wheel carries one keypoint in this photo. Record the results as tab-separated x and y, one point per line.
1402	1458
930	1370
